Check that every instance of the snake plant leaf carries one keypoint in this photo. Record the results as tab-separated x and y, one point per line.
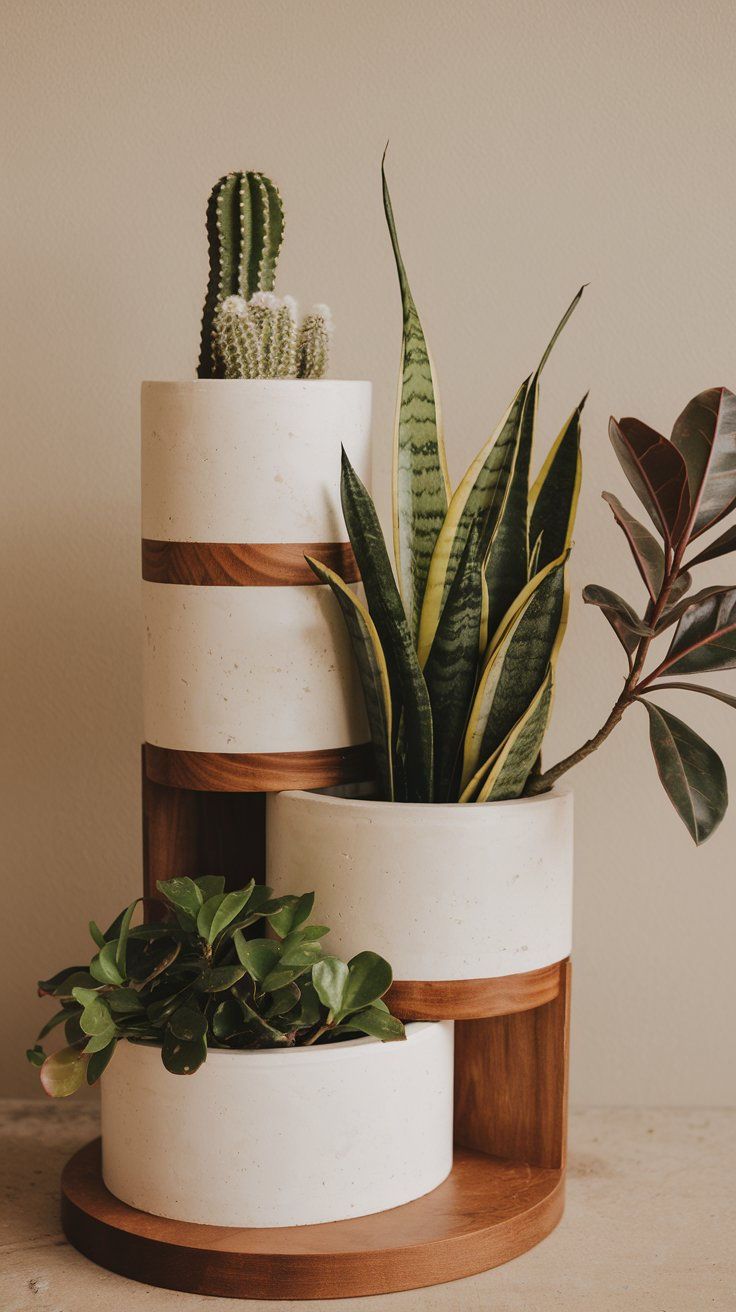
657	472
386	610
705	434
516	759
373	671
452	667
479	498
554	497
507	562
720	547
420	482
691	773
515	669
622	617
724	697
647	553
705	638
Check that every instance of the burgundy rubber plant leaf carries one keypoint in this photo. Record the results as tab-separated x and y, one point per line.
705	435
645	549
675	610
691	773
720	547
705	638
657	472
724	697
624	621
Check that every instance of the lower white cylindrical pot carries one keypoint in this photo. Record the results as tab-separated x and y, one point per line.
281	1138
444	892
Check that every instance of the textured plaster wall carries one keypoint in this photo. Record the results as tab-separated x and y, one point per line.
534	146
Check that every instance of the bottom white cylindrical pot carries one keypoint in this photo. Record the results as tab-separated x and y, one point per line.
281	1137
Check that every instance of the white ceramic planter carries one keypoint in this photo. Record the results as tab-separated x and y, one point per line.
281	1138
261	665
446	892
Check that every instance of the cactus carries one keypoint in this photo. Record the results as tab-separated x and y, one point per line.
261	338
245	227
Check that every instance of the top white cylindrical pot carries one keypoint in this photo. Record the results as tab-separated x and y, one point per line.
244	653
444	892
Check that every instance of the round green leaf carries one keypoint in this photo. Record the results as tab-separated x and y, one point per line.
369	976
182	1058
63	1072
188	1024
330	978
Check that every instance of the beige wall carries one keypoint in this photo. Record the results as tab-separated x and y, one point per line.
533	146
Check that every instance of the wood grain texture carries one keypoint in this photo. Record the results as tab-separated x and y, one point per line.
470	999
485	1213
195	833
244	564
257	772
511	1076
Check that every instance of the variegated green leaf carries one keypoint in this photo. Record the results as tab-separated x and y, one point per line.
507	564
479	498
373	672
554	497
516	668
387	613
452	667
516	759
421	489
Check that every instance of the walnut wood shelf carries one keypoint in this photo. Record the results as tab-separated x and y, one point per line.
474	999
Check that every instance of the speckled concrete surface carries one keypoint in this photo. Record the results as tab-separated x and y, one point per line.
649	1227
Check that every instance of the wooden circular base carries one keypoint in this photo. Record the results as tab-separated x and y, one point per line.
486	1212
257	772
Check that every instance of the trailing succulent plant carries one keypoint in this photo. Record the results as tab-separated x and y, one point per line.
458	660
197	981
247	331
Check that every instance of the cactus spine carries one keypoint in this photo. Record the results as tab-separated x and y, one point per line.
261	338
245	228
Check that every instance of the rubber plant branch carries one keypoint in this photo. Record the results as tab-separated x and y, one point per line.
687	484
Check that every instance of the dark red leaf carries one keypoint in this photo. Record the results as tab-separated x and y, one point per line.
705	434
705	638
623	619
721	547
692	774
657	473
647	553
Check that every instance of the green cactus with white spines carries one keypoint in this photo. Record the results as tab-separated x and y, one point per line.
262	338
247	332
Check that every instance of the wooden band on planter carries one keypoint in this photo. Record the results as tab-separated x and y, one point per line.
243	564
257	772
474	999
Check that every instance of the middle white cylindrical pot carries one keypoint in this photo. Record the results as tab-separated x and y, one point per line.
444	892
281	1138
245	652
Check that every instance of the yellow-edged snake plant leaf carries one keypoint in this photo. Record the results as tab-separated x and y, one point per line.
373	673
516	667
479	498
691	773
420	482
452	666
554	497
507	563
409	690
517	757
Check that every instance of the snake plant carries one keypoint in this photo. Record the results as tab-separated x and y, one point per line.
457	658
